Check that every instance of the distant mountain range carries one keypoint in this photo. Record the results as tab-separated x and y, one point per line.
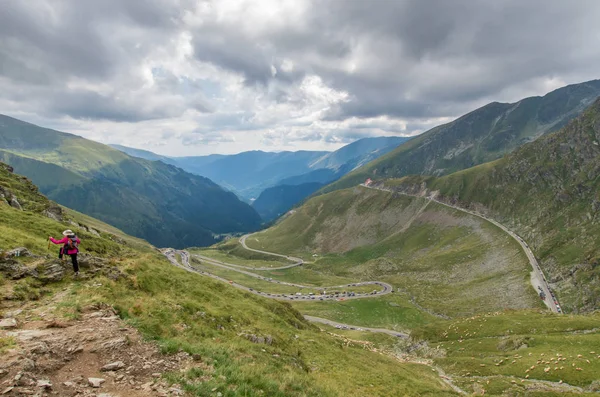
149	199
483	135
249	173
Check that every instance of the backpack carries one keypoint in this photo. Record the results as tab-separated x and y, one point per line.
71	243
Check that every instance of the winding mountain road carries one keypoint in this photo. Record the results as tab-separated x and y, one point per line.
538	280
171	255
185	257
298	260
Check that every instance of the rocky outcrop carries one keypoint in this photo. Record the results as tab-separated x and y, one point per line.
263	340
21	251
13	270
53	270
54	212
15	203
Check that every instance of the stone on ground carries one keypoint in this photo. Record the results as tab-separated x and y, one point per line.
8	323
96	382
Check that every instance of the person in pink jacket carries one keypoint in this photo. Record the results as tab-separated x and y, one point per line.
70	247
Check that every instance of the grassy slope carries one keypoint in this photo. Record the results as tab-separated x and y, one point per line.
548	191
444	260
469	348
201	316
495	349
152	200
483	135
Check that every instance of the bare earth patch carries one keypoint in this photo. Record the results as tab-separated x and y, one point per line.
95	355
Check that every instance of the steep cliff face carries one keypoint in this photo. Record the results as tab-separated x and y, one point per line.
548	191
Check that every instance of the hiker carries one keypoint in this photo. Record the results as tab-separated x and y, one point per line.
70	241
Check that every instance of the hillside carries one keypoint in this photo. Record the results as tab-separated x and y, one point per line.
163	330
445	261
478	137
148	199
275	201
549	191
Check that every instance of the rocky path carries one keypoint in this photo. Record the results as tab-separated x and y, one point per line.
96	354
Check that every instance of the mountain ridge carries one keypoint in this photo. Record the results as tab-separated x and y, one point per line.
249	173
148	199
480	136
548	190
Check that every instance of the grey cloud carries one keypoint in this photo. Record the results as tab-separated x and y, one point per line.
234	54
44	45
475	50
415	60
421	58
93	106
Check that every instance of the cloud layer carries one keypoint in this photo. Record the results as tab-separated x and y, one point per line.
197	77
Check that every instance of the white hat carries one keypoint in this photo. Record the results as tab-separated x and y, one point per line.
68	232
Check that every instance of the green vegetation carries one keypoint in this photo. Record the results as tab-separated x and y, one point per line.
444	261
478	137
148	199
231	251
392	311
182	311
510	349
547	192
6	344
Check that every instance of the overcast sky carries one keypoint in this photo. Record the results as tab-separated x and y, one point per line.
185	77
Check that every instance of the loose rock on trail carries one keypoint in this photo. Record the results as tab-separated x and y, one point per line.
96	355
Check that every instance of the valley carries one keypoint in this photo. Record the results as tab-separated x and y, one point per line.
299	198
441	259
488	360
198	335
390	276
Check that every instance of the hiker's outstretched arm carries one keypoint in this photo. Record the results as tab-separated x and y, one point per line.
55	241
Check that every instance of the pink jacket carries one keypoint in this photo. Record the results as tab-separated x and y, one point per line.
64	240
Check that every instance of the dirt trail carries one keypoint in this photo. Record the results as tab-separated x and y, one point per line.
52	356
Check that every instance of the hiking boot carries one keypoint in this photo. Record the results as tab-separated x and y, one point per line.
76	275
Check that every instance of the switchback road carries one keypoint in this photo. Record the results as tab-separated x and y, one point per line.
538	280
171	254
